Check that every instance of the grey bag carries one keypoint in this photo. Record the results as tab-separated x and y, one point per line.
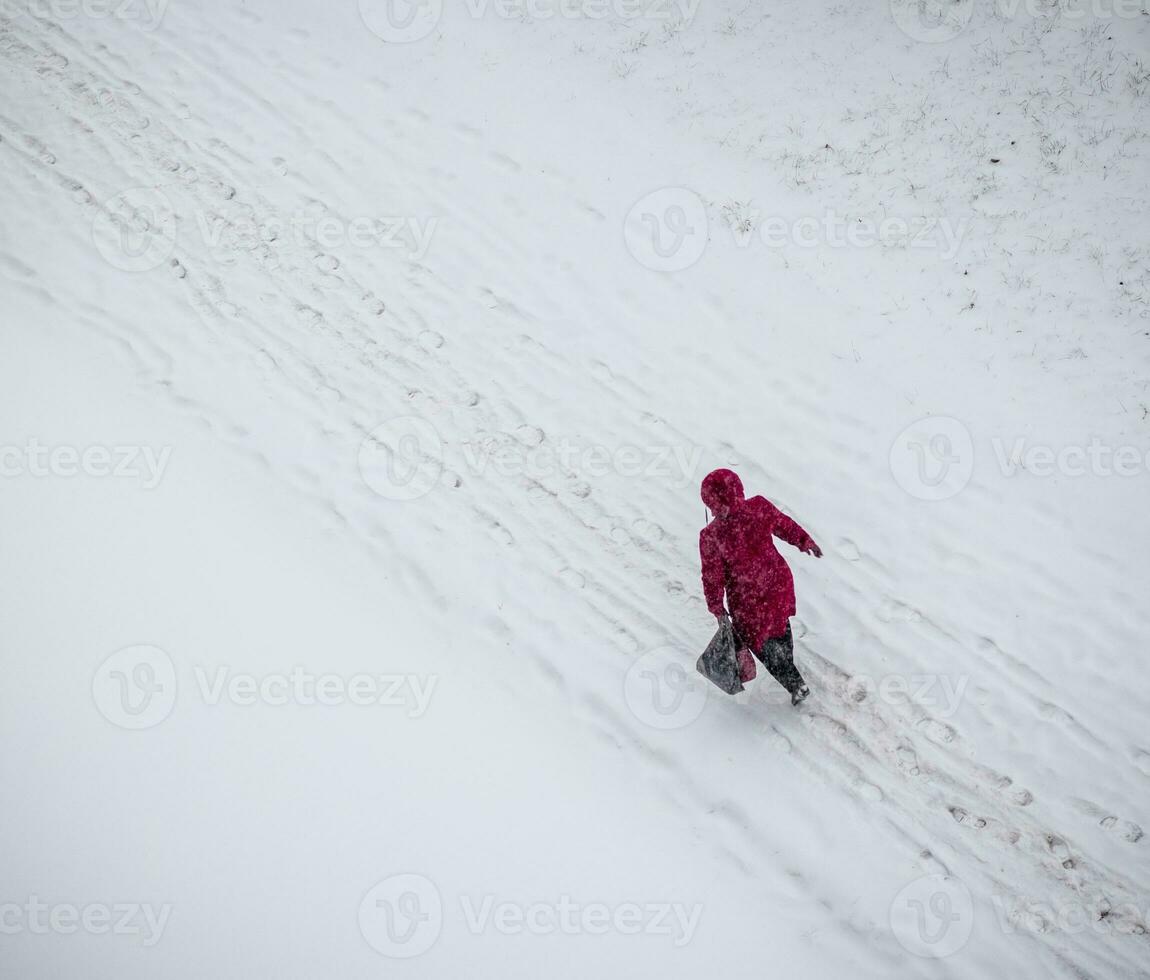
720	662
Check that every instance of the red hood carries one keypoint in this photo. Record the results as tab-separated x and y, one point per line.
722	490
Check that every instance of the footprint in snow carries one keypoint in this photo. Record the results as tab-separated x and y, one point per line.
529	435
648	529
965	818
568	576
1108	821
831	727
907	760
79	194
1128	831
891	610
600	372
505	161
937	731
1060	849
848	550
778	742
502	535
1142	760
1000	831
856	690
996	779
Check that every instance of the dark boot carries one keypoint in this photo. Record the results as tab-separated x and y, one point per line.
778	656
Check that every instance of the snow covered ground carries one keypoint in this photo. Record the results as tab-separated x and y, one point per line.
359	367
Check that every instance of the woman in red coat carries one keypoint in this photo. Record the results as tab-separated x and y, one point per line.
740	559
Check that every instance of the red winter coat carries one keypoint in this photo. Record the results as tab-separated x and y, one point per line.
739	557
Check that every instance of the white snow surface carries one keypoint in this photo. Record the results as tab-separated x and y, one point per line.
978	729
